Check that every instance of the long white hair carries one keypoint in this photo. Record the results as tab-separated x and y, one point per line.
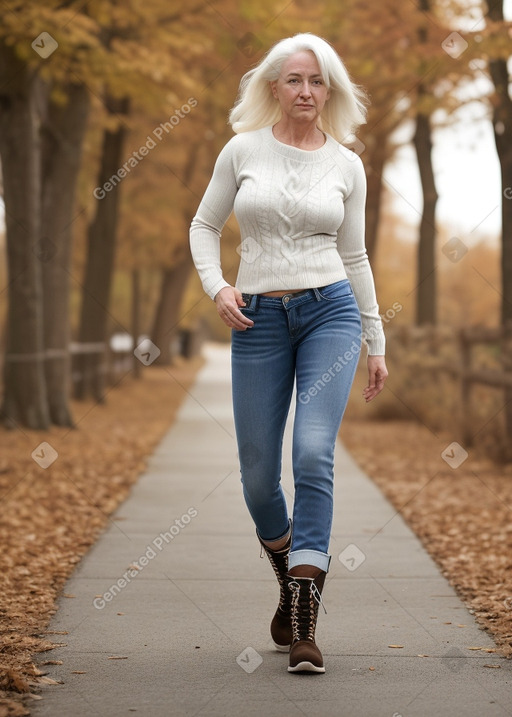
256	106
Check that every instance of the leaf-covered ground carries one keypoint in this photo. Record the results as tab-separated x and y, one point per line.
463	515
49	517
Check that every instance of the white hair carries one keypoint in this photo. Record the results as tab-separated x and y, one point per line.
256	106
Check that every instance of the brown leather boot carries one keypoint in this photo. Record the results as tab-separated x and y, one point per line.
306	596
281	625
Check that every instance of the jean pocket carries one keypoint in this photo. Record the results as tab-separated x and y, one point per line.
338	290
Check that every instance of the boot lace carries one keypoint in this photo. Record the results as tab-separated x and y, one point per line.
306	598
280	568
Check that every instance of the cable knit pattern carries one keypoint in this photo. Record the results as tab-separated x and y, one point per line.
301	218
288	209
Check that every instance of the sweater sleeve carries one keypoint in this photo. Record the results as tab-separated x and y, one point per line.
352	249
207	225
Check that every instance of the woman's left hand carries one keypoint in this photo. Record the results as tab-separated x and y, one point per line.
377	374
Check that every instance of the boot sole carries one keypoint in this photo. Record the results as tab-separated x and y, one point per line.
281	648
306	666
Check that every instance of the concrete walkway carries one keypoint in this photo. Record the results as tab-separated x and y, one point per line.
190	626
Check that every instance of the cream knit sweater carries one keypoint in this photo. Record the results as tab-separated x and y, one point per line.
301	218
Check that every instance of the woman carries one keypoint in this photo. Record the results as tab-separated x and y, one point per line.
304	286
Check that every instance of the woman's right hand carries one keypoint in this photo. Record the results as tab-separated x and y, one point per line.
228	300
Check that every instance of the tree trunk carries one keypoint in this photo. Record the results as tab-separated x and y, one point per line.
374	196
62	137
502	122
427	284
504	149
21	98
100	263
167	315
174	280
426	297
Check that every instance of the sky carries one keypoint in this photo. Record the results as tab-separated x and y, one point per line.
467	174
466	167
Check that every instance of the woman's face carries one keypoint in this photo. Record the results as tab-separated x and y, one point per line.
300	89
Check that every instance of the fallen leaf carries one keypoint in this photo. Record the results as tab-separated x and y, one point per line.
68	595
422	655
78	672
48	681
56	632
467	532
371	669
53	662
397	646
493	667
117	657
13	680
42	539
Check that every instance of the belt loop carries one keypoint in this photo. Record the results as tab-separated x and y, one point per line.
317	294
256	299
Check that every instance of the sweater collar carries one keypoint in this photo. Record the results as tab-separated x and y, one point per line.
300	155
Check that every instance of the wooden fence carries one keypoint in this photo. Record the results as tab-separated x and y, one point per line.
120	359
434	338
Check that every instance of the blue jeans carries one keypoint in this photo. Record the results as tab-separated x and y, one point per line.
313	338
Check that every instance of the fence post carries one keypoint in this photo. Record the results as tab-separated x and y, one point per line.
136	320
506	353
465	387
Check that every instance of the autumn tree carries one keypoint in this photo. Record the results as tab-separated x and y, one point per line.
502	125
161	197
41	131
62	134
499	60
154	47
25	397
118	51
101	240
203	126
426	296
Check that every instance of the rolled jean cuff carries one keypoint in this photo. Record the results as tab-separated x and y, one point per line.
309	557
